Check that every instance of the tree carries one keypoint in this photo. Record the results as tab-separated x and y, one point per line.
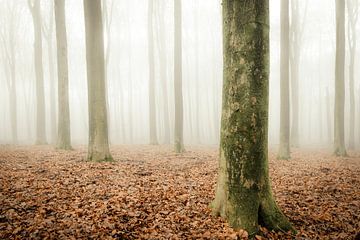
243	194
163	67
284	150
64	138
34	7
339	142
48	34
179	145
98	149
9	57
296	35
353	14
151	55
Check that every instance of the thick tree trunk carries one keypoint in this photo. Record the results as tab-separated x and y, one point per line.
39	73
284	150
98	149
64	137
152	107
339	142
179	145
243	194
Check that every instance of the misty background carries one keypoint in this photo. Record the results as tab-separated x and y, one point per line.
127	66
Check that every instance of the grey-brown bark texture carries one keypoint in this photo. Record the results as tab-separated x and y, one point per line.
34	7
284	149
63	138
179	145
339	141
243	194
353	14
152	104
98	149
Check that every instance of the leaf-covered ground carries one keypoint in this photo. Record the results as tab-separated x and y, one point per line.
151	193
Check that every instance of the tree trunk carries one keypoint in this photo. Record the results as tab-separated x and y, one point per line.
163	75
179	145
284	150
352	7
64	136
98	149
329	123
339	142
152	107
243	194
40	98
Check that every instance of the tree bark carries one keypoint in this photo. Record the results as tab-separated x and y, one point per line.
339	142
39	73
352	7
152	107
64	136
179	145
243	194
284	150
98	149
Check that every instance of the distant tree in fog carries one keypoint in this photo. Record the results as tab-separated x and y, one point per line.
284	149
34	6
151	56
98	149
353	15
48	32
64	138
9	57
296	40
179	125
243	194
339	141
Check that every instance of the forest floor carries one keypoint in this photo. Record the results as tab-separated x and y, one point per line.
151	193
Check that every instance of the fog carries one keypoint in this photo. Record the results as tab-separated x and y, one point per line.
127	70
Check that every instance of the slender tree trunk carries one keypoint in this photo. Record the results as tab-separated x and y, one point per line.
352	7
329	125
13	90
49	38
179	145
64	136
152	107
163	75
284	151
339	146
243	194
163	66
40	98
98	149
197	73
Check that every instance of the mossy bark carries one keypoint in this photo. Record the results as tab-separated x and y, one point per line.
98	149
63	137
339	141
243	194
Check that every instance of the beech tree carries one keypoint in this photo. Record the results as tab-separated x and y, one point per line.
34	6
284	150
9	58
64	138
339	141
353	15
179	145
243	193
151	55
98	149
